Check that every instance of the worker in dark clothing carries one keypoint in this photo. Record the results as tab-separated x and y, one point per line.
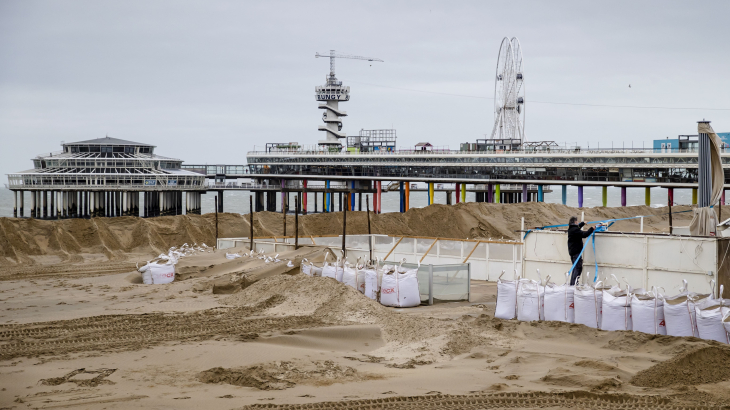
575	246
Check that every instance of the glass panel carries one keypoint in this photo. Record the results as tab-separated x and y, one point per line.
384	243
449	248
406	245
480	252
422	245
499	251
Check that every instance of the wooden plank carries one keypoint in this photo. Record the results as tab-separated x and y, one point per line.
313	242
460	240
429	249
394	246
472	251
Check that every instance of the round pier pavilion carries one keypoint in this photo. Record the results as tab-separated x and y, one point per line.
106	177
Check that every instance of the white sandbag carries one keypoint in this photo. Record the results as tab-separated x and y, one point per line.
349	276
162	274
147	277
306	267
616	310
400	289
360	279
506	298
726	318
647	313
370	277
316	271
329	271
679	312
588	301
559	303
709	319
229	255
528	300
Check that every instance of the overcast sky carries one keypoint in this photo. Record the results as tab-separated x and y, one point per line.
206	81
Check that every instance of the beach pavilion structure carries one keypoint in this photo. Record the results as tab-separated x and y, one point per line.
106	177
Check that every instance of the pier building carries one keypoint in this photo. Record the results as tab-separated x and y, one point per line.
106	177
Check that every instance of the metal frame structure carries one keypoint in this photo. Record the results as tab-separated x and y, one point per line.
509	92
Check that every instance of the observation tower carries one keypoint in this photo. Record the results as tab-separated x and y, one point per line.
331	93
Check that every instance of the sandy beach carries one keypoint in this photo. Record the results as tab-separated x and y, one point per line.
79	329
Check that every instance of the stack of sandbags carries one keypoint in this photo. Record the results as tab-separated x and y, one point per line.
647	312
559	301
506	297
399	288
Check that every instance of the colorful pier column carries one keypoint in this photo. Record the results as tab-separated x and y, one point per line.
647	196
376	205
670	196
430	193
564	192
490	193
463	192
525	198
540	194
304	197
327	197
402	197
408	196
457	192
694	196
580	196
722	198
604	195
352	197
497	193
623	196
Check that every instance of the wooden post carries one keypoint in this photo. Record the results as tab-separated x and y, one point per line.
296	222
250	221
370	238
344	228
670	218
216	220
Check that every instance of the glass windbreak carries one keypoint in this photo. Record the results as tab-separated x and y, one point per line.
449	283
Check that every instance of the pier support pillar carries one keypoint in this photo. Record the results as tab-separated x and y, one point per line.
564	194
540	194
457	192
525	197
722	197
15	204
402	197
623	196
670	196
479	196
647	196
44	205
448	197
408	196
327	199
32	204
490	193
497	193
359	201
352	196
463	192
694	196
380	196
304	197
604	195
580	196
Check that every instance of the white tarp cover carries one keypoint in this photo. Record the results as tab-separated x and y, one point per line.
529	300
588	305
647	313
400	289
704	222
616	311
559	302
506	298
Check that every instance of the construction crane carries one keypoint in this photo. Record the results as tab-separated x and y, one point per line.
334	55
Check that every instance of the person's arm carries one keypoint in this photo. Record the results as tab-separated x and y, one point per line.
581	225
588	232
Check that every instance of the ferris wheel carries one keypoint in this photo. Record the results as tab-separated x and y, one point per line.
509	92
